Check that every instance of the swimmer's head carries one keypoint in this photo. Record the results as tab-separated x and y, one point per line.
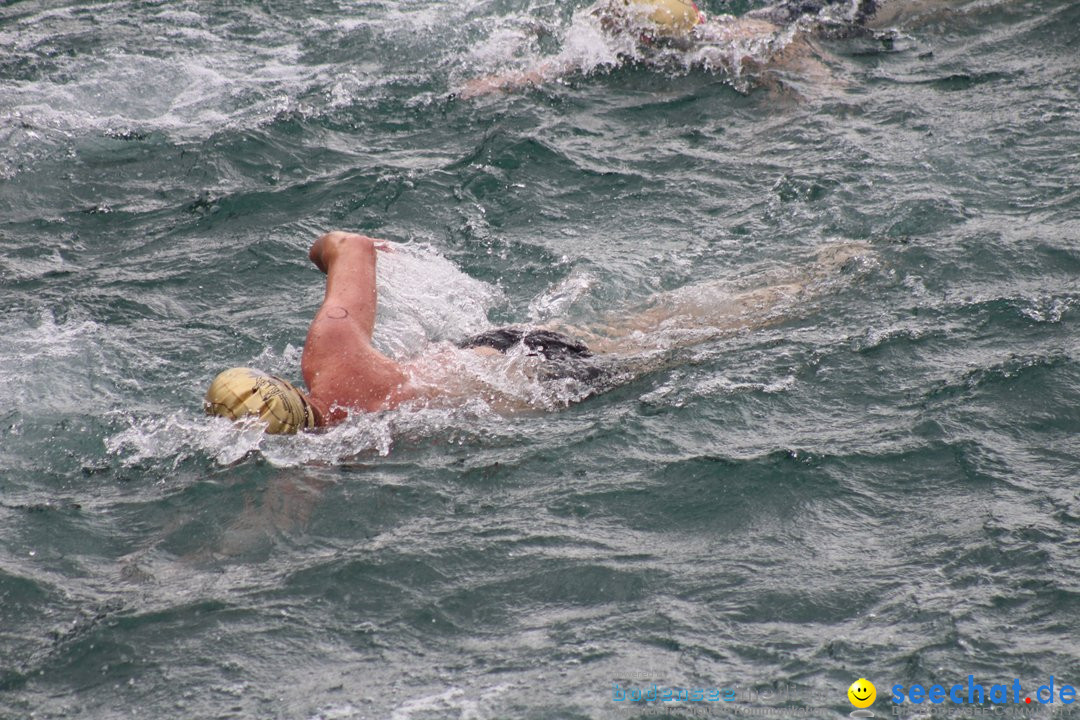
656	18
245	392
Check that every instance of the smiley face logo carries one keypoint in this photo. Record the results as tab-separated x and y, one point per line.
862	693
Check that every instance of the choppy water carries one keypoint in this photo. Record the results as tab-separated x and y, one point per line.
884	485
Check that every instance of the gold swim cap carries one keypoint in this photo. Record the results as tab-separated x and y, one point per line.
669	17
242	392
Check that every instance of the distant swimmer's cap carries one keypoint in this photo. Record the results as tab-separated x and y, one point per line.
675	16
669	17
243	392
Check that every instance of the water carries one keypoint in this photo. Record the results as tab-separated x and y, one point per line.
882	485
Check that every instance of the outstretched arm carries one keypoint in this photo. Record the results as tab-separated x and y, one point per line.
887	13
508	81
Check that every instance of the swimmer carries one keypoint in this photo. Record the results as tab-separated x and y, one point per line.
766	45
344	372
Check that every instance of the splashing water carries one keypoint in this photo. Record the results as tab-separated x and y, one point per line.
882	476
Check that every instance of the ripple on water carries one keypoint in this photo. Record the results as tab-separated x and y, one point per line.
883	479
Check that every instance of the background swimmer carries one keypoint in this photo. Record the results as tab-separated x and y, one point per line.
760	48
345	372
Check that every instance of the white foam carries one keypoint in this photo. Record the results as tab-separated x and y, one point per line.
678	394
1047	309
454	700
56	367
557	300
584	48
183	76
346	711
423	297
183	435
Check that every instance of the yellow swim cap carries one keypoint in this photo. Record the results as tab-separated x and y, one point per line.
241	392
669	17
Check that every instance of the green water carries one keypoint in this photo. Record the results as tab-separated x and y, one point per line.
882	485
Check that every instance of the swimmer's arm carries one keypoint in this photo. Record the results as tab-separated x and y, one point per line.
340	365
348	259
888	13
509	81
